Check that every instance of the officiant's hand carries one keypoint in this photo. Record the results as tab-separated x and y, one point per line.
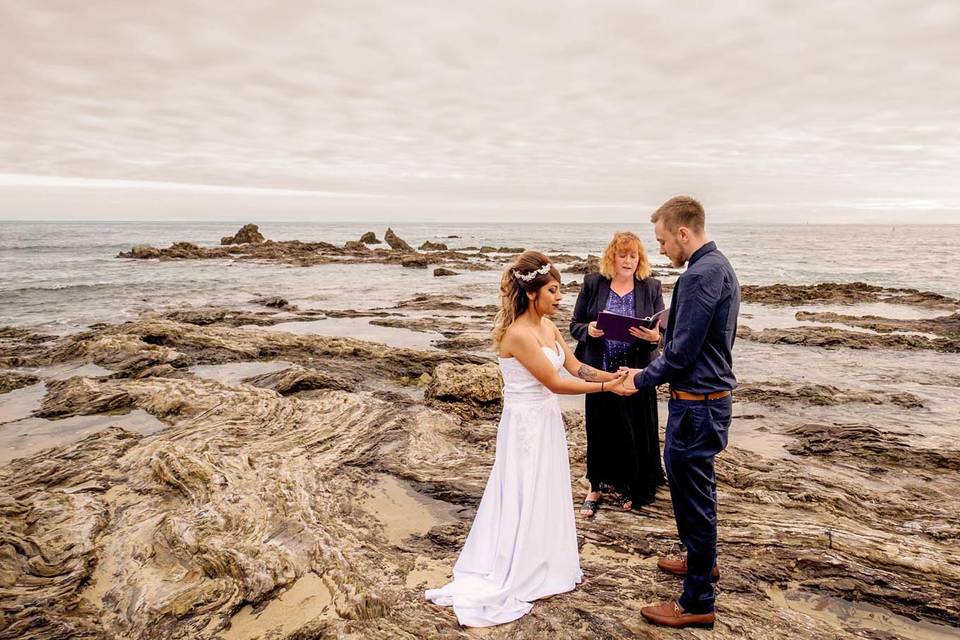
592	330
650	335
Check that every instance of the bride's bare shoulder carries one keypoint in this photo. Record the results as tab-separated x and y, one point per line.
514	337
552	327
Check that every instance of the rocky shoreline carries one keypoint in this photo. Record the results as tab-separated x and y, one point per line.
311	486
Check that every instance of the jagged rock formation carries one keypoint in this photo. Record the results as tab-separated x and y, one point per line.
396	242
511	250
470	391
248	234
463	342
947	326
590	265
820	394
306	254
10	380
831	337
356	246
296	378
275	302
844	293
440	271
433	246
369	238
178	251
416	262
249	492
448	328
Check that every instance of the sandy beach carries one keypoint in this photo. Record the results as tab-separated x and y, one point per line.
254	472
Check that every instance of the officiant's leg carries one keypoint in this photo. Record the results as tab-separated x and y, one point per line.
696	432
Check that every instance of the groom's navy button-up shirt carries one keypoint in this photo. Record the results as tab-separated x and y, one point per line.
702	325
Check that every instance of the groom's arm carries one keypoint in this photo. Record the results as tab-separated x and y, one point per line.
696	303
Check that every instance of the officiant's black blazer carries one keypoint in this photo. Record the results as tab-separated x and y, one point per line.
648	299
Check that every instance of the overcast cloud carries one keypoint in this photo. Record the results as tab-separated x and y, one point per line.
780	111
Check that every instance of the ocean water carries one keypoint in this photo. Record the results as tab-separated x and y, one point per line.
61	277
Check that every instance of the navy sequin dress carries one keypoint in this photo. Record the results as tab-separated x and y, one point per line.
614	351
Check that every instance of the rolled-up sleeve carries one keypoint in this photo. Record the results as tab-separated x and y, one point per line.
697	298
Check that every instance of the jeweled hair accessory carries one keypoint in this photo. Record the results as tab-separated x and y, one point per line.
530	275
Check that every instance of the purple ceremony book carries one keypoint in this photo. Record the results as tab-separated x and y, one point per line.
617	327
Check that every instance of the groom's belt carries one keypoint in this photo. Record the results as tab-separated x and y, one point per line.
686	395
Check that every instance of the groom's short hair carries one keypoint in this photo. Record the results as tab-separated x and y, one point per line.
680	211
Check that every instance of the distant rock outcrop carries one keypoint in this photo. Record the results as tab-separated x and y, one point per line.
396	242
440	271
590	265
178	250
356	246
273	301
249	233
370	238
433	246
416	262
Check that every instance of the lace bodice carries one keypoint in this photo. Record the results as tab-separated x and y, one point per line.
520	385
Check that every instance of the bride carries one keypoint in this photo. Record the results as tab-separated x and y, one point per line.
523	543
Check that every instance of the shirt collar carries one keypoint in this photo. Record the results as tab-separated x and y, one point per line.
699	253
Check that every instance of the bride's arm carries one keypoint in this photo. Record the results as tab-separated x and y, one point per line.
524	347
577	368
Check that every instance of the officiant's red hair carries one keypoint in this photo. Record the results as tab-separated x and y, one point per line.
524	275
623	242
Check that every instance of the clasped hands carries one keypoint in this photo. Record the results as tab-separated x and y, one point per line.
622	382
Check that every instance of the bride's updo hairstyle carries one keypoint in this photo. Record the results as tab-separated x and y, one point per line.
527	274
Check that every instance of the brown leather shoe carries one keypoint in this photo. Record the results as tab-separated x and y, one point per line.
671	614
677	565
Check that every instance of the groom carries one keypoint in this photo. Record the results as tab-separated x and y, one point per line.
696	361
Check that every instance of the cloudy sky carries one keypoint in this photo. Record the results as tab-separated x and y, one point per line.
492	110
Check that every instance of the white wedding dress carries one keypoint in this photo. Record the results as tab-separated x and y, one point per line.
523	542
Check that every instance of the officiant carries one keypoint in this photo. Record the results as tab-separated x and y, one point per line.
623	443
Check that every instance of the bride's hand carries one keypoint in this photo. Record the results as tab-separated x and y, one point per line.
631	377
619	387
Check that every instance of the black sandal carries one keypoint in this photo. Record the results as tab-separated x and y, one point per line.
590	505
621	500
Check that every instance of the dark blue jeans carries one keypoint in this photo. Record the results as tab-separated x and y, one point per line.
696	433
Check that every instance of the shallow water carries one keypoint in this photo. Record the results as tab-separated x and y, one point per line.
848	615
29	435
58	275
307	599
403	511
233	373
362	329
